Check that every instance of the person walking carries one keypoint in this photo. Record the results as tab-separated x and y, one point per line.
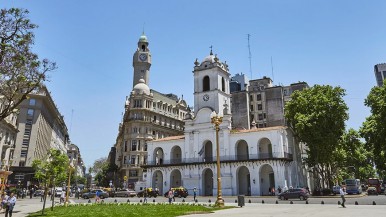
62	196
145	196
342	192
10	204
170	196
194	193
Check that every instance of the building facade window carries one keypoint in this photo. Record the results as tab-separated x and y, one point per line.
133	145
132	160
133	173
30	112
32	101
206	84
258	97
260	107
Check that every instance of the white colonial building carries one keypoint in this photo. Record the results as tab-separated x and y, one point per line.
252	160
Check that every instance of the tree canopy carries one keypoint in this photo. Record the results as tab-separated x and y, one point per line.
317	116
21	71
373	130
51	171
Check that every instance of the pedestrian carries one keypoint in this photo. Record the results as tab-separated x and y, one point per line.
31	192
10	204
62	196
2	202
170	196
145	195
342	192
269	191
97	196
273	191
279	189
174	197
194	193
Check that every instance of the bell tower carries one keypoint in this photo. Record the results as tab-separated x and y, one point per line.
211	84
142	61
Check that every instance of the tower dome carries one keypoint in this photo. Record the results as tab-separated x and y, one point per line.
141	88
143	38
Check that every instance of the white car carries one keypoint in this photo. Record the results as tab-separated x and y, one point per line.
58	192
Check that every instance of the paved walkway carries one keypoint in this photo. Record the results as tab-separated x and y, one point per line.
297	210
25	206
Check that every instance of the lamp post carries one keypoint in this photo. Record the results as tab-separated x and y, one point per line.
70	166
217	120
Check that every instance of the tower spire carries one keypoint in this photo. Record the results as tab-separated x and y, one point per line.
211	53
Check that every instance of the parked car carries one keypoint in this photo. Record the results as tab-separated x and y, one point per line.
372	191
125	193
38	193
92	194
58	191
150	192
178	192
296	193
336	189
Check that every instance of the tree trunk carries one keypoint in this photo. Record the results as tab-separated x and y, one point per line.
53	198
44	197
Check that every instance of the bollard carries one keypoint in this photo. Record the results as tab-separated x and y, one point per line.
322	202
339	202
183	200
196	201
306	201
249	201
235	201
277	202
115	201
291	202
89	201
262	201
374	203
128	200
356	203
209	201
153	200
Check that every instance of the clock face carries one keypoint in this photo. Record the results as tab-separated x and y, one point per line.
205	97
143	57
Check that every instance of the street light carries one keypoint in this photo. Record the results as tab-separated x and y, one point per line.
217	120
70	166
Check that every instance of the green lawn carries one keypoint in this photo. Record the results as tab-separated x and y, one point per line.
122	209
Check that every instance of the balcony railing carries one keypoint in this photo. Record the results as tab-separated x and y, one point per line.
227	158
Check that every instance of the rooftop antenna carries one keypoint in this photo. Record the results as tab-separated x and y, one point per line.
273	77
143	29
250	56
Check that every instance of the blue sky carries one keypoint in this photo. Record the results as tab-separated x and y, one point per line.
92	41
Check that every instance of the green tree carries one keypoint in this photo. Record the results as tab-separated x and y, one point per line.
356	160
52	171
373	130
21	71
317	116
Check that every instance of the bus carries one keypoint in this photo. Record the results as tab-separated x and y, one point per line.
353	186
374	182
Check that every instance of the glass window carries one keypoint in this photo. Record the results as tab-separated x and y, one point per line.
134	145
259	107
32	101
30	112
258	97
132	159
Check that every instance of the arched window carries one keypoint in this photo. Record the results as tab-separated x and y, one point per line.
222	84
206	83
143	47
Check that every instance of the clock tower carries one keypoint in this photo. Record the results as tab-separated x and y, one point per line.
211	84
142	61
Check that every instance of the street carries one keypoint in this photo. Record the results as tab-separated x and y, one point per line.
269	208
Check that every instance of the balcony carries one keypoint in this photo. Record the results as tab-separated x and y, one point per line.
226	159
